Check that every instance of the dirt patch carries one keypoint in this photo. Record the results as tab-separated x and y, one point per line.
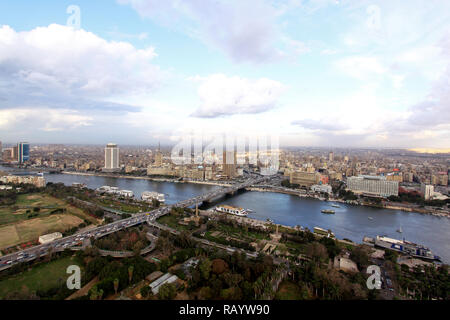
83	291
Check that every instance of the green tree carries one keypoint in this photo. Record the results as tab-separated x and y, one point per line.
116	285
205	268
167	291
130	273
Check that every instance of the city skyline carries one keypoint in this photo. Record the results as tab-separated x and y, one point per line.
315	73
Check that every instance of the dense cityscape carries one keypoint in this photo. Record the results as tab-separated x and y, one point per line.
399	180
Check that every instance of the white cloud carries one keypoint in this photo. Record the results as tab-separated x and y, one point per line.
223	96
58	62
244	30
42	119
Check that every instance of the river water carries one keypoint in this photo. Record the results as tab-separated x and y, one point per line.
351	222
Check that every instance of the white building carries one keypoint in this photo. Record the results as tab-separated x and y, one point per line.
323	188
38	181
427	191
167	278
373	185
126	193
150	195
111	158
47	238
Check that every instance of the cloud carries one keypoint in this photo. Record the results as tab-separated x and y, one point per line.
245	30
224	96
323	125
26	119
58	65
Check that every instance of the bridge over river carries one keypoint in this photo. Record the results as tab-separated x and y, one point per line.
68	242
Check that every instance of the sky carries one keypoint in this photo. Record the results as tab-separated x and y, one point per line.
327	73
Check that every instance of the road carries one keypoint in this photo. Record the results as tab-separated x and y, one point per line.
42	250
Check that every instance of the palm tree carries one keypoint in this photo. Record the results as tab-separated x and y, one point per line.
130	273
116	285
94	294
100	294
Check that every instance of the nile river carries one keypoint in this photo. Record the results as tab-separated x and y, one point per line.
351	222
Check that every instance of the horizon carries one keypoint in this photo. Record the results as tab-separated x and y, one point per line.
315	73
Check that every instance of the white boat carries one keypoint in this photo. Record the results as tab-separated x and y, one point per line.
370	218
335	206
150	195
232	210
399	230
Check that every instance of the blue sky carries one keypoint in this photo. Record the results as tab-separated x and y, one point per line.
315	73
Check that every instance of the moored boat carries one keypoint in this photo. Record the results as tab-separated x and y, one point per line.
232	210
406	247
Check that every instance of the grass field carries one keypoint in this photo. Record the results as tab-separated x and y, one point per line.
30	230
46	203
172	222
42	277
17	228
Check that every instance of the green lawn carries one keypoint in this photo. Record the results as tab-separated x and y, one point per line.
124	207
42	277
172	222
240	233
26	202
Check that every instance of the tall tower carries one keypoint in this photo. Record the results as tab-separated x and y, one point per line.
158	157
330	156
23	152
111	157
229	164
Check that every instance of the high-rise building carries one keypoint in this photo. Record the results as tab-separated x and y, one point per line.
1	151
373	185
111	158
14	153
23	152
330	157
427	191
229	164
158	157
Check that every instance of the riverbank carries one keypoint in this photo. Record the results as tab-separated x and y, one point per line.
211	183
303	194
211	213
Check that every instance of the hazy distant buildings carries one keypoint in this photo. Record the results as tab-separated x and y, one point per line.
37	181
111	158
373	185
1	151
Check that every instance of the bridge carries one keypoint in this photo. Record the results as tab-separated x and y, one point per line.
68	242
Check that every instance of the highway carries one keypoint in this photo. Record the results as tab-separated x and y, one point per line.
35	252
